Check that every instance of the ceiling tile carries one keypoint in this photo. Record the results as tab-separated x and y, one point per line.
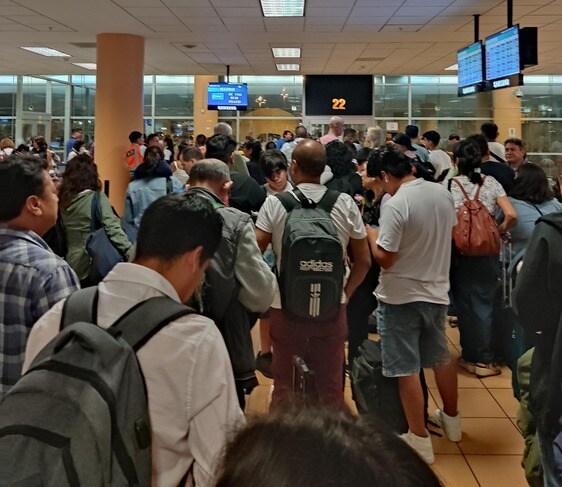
150	12
239	12
198	12
244	28
327	12
373	11
408	20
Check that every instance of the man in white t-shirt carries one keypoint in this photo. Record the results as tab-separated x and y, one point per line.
413	248
438	158
321	345
497	151
192	400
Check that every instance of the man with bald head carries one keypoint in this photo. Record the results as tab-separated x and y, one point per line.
321	345
335	131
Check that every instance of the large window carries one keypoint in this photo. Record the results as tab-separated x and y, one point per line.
174	96
8	89
34	94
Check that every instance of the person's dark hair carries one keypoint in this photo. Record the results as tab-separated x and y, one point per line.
518	142
20	178
220	147
176	224
134	136
78	144
351	147
362	155
349	131
468	157
433	136
200	140
456	137
169	143
155	151
22	148
489	130
41	143
255	147
390	160
81	173
151	137
531	185
189	152
480	142
285	132
77	130
272	161
314	448
270	145
339	158
412	131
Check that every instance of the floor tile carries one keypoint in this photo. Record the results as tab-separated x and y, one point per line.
465	380
490	436
502	381
454	471
475	403
508	403
497	470
258	401
441	445
453	335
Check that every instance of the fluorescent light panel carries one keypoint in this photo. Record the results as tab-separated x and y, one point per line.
46	51
91	66
453	67
286	51
282	8
288	67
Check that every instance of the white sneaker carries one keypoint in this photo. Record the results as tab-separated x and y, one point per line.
422	445
451	424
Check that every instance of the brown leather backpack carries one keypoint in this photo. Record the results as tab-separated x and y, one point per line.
476	233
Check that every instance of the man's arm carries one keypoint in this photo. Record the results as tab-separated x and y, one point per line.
253	273
383	257
263	239
360	265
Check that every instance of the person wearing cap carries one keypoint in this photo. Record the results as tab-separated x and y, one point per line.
404	143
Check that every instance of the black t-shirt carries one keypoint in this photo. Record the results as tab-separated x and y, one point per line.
246	194
501	172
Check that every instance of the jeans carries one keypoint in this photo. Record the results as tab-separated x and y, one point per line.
320	345
474	282
550	453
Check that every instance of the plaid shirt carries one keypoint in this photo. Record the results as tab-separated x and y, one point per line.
32	280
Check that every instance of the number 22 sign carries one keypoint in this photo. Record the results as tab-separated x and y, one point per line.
338	103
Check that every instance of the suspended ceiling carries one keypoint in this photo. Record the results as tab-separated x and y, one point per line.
336	36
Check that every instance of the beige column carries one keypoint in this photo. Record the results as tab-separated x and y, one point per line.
203	120
507	113
119	107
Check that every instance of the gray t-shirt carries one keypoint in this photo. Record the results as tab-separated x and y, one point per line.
417	223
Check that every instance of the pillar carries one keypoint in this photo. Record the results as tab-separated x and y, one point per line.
119	108
203	120
507	114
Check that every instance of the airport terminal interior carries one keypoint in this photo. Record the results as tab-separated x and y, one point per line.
110	67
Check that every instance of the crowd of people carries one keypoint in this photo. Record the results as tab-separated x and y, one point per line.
213	224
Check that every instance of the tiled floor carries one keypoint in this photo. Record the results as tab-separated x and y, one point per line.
489	454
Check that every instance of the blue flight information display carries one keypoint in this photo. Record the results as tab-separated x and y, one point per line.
502	54
227	96
471	66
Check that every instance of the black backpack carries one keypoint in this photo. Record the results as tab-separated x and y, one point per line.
312	266
79	416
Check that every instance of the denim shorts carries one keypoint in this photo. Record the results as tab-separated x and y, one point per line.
412	336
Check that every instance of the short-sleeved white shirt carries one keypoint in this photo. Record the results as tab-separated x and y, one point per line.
417	223
345	215
440	160
490	191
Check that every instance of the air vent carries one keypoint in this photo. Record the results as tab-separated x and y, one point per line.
83	45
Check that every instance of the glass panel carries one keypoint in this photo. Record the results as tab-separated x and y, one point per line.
88	127
34	94
543	136
7	127
83	101
273	96
58	97
441	100
266	130
180	129
391	101
542	101
57	142
8	88
147	96
464	128
173	98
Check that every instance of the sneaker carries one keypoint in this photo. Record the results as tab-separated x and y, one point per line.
422	445
468	366
451	425
453	321
486	370
263	364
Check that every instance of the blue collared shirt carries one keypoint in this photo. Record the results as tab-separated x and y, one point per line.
32	280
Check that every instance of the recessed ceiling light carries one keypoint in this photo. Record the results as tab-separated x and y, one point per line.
46	51
288	67
91	66
453	67
282	8
286	51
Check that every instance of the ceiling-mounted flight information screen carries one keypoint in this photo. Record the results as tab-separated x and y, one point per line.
502	54
471	65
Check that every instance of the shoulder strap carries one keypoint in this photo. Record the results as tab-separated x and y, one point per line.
169	186
96	221
138	325
329	200
449	184
497	158
537	208
81	305
288	201
462	189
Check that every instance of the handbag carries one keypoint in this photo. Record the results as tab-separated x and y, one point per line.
104	256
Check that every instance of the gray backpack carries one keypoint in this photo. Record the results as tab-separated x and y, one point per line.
312	266
79	416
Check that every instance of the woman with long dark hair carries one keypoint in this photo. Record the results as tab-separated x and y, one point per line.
340	161
153	179
252	150
474	279
532	197
79	184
